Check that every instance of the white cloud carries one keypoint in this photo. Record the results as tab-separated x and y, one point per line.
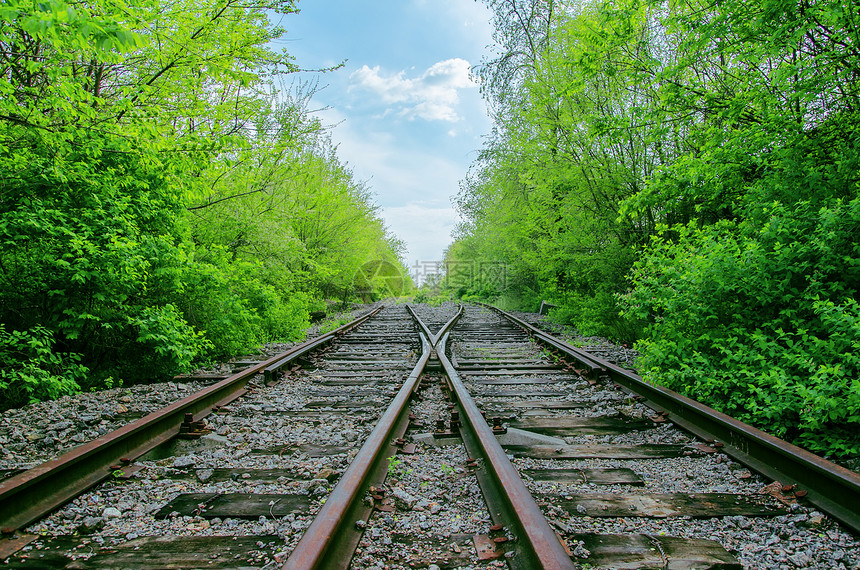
397	171
432	96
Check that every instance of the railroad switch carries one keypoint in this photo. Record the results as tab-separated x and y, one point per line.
191	429
433	363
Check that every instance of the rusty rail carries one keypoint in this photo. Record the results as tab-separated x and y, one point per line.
588	360
830	487
507	497
330	540
30	495
434	338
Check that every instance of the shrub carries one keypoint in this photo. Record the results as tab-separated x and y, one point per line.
166	343
761	321
595	315
31	369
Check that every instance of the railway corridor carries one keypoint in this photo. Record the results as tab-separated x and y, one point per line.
435	437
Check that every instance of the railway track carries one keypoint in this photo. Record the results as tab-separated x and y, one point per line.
428	437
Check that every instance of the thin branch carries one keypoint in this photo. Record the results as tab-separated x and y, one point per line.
212	203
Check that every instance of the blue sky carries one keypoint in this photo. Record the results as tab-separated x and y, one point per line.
409	119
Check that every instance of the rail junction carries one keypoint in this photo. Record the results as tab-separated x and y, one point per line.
421	437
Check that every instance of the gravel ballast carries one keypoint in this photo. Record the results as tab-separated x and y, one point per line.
299	428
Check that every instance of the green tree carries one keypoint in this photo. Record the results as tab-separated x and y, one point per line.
152	181
725	135
569	148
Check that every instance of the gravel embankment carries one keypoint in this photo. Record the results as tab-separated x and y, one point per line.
44	430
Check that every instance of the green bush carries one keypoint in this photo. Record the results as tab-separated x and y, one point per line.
213	307
87	253
31	369
232	303
287	318
761	321
595	315
165	342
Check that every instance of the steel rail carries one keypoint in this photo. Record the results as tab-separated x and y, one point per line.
30	495
430	336
830	487
434	338
510	501
330	541
313	344
588	360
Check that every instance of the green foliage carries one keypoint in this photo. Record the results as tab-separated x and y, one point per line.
161	202
165	341
31	369
761	322
330	324
543	202
236	309
596	315
428	297
396	467
84	252
757	266
726	131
